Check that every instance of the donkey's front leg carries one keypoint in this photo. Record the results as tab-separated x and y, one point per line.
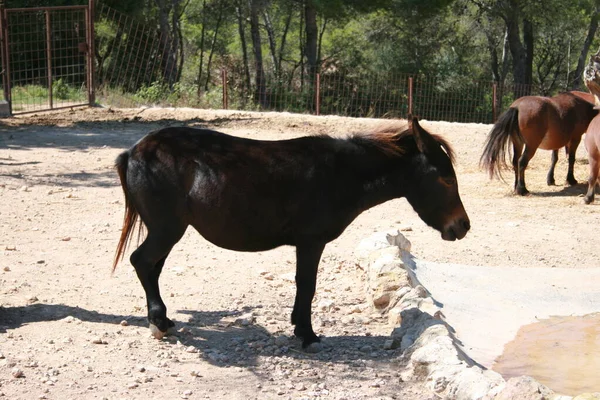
308	256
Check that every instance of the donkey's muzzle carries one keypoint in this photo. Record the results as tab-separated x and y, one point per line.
457	229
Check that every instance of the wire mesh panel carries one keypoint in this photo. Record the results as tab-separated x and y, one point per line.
131	62
364	95
467	101
47	50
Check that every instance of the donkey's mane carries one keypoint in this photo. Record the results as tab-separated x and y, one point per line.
389	138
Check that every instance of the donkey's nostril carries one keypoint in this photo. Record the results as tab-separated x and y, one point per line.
466	224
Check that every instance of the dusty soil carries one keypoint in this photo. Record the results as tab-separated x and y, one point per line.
69	329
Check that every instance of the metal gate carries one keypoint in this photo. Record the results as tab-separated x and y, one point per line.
47	57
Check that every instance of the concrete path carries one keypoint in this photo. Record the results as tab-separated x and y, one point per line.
487	305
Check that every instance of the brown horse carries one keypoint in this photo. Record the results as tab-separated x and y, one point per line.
252	195
533	122
592	145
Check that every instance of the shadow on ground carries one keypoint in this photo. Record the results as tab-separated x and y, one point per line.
219	343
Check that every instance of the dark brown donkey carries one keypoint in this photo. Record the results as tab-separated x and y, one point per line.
533	122
253	195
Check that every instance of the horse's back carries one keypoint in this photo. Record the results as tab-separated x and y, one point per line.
552	122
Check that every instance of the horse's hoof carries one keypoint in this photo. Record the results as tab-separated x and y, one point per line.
587	200
522	192
314	347
157	333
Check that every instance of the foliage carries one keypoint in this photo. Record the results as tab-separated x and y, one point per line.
454	43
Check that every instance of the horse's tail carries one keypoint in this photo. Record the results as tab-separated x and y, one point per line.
131	217
496	146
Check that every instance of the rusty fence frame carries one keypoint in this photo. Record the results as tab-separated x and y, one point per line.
86	47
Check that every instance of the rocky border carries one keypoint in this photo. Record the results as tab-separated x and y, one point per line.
432	352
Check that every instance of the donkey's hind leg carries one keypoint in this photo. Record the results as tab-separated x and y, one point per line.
550	178
148	261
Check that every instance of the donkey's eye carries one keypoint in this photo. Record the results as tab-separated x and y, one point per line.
449	181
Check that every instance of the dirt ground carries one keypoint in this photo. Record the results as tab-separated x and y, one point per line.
69	329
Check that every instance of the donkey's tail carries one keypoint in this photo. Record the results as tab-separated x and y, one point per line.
131	217
496	146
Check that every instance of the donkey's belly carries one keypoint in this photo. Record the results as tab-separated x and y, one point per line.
241	234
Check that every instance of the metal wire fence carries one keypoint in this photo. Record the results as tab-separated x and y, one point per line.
52	58
45	50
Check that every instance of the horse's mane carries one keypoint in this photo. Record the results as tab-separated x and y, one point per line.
388	139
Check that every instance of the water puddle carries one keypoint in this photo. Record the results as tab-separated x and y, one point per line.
563	353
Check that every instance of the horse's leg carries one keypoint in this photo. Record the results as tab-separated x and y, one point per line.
571	149
550	178
308	256
594	170
528	153
148	261
517	150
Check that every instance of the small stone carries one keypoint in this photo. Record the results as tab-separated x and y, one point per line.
6	269
17	373
196	374
132	385
191	349
66	239
420	291
325	305
124	323
10	248
390	344
267	275
40	261
300	387
24	189
366	349
315	347
141	368
99	341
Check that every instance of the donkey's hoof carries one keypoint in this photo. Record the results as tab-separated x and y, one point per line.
314	347
157	333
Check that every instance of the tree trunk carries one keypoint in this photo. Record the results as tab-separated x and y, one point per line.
202	35
312	37
272	40
519	56
168	41
286	29
260	89
577	81
242	32
213	45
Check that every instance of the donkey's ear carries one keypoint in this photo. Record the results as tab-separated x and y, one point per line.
425	142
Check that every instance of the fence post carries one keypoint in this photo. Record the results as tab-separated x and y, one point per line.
318	94
410	95
49	56
224	78
494	102
91	53
4	56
